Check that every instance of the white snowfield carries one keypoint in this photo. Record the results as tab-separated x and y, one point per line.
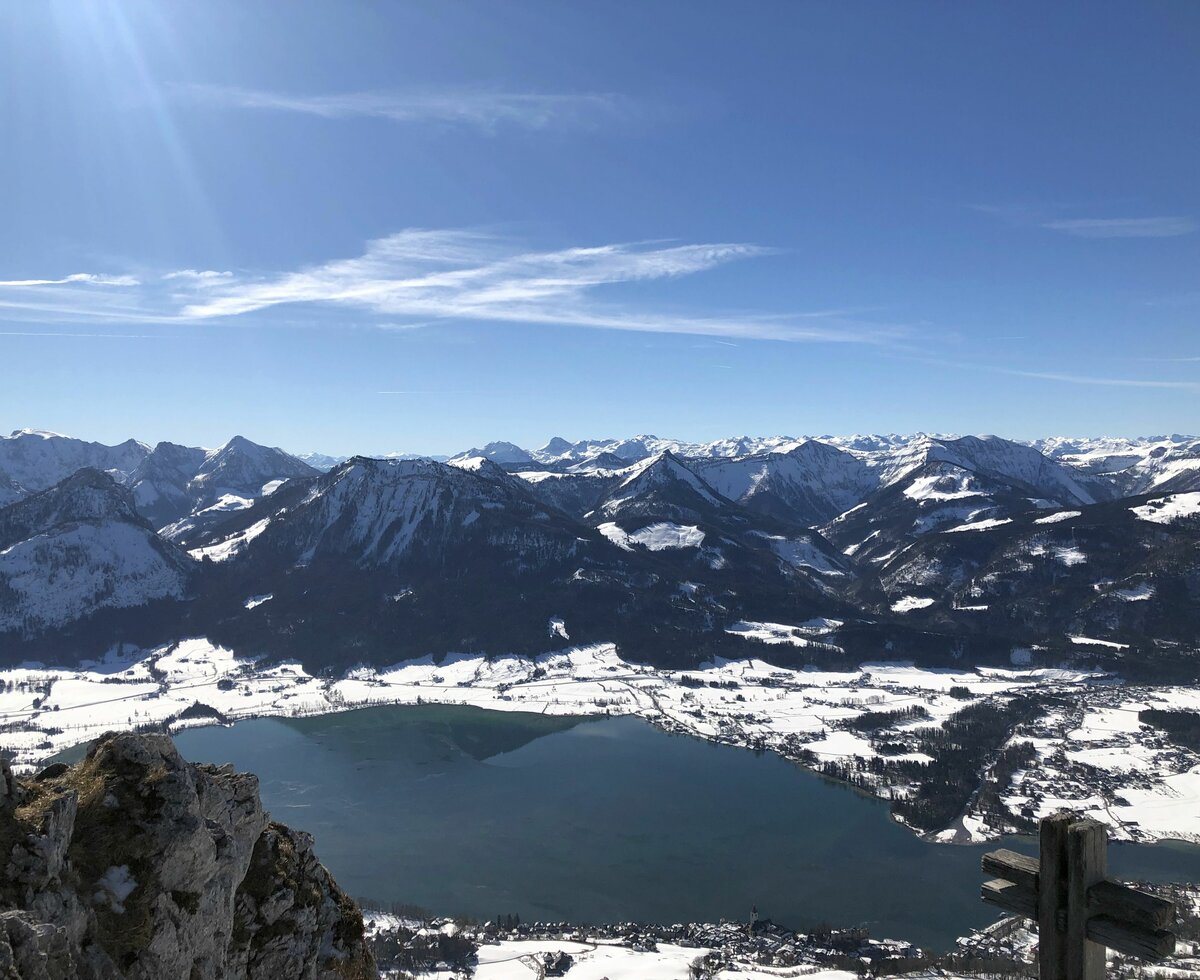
981	525
1062	515
1167	510
514	960
799	636
739	702
945	486
655	537
228	547
910	602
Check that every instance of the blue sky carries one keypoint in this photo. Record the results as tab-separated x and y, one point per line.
421	226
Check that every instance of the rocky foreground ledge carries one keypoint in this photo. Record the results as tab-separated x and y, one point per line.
136	865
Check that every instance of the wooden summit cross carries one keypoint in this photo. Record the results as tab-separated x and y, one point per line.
1078	909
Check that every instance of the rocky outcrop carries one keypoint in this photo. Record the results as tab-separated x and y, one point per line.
136	865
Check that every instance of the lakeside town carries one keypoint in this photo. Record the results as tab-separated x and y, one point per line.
429	948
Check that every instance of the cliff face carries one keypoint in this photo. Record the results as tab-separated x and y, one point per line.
136	865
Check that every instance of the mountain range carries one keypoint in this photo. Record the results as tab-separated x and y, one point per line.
931	548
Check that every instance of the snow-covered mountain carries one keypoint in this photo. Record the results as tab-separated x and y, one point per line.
637	448
35	459
926	546
325	462
320	461
497	452
661	487
244	469
414	555
806	481
174	483
1132	465
168	482
935	496
159	483
1088	468
373	511
991	456
77	548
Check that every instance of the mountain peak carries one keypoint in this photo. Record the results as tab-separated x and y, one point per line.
556	447
499	452
662	486
87	494
35	434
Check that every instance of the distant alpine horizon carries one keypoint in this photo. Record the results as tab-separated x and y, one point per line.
636	447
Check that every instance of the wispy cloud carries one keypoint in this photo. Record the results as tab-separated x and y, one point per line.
198	276
436	275
1049	217
82	336
1161	227
1055	376
425	277
480	108
82	278
1080	379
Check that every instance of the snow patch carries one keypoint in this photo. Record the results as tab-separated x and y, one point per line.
1088	641
981	525
116	885
1062	515
656	537
910	602
228	547
665	536
1137	593
1167	510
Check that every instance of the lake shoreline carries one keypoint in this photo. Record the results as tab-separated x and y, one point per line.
800	715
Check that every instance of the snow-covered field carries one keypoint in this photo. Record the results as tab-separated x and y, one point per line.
728	951
1094	754
515	960
1166	510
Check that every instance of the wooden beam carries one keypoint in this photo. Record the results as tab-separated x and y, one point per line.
1078	910
1021	869
1011	897
1125	904
1087	864
1147	944
1052	897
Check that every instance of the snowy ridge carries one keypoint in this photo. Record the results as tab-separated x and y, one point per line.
374	510
35	459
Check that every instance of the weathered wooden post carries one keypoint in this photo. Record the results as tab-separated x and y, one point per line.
1078	909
